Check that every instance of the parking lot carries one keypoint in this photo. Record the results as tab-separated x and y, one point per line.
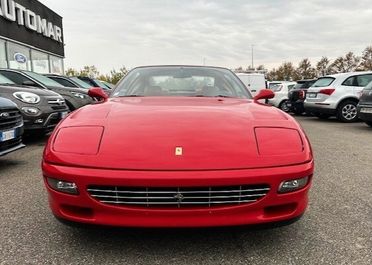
336	229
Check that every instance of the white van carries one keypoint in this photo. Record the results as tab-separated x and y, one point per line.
254	82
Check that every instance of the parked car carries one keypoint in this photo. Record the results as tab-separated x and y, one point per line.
297	95
68	81
253	81
11	127
187	145
74	97
93	82
365	105
281	94
337	95
74	81
41	109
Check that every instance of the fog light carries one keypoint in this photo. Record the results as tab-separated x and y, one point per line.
31	111
292	185
39	121
63	186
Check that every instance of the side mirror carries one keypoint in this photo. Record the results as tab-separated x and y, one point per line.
97	92
264	94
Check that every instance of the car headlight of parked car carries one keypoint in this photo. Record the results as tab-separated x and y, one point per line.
78	95
27	97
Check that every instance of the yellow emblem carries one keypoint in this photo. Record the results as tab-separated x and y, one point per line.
178	151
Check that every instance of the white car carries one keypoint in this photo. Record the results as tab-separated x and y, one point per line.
337	95
281	89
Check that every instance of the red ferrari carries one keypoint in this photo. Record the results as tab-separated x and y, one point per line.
178	146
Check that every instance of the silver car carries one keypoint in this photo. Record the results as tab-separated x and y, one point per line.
337	95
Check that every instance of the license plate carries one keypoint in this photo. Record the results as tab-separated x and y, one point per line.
311	95
366	110
7	135
63	114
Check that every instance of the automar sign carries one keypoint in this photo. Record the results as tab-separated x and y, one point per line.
15	12
31	22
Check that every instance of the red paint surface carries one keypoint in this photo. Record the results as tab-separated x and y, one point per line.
137	148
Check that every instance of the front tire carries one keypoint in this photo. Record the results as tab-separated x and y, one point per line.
347	111
283	106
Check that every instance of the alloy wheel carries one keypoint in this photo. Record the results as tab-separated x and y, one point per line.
349	112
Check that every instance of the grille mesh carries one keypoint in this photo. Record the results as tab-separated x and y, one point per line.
178	197
12	119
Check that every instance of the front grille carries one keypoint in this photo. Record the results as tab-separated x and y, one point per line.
178	197
10	119
57	103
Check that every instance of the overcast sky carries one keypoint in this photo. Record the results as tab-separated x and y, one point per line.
112	33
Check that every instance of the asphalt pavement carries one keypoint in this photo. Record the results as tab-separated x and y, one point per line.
336	229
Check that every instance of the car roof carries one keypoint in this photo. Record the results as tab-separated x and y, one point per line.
347	74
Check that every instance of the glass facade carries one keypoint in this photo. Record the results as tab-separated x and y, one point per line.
40	62
19	56
3	61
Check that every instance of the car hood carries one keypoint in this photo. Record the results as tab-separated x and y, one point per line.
158	133
63	90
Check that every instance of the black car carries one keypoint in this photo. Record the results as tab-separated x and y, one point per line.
41	109
365	105
297	95
74	97
11	127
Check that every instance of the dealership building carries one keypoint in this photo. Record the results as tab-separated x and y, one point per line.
31	37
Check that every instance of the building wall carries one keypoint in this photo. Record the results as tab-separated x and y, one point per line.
31	37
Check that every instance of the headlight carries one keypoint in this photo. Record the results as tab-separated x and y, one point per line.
27	97
292	185
78	95
63	186
31	111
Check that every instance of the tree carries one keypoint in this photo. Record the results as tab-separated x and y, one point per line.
89	71
366	60
323	66
115	76
286	72
338	65
305	70
351	62
71	72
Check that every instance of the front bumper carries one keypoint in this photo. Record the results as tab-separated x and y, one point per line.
45	121
12	145
82	208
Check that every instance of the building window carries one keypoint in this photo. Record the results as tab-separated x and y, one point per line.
56	65
3	62
18	56
40	62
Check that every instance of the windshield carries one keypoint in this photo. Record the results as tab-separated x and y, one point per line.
101	84
182	81
5	81
323	82
80	82
43	79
